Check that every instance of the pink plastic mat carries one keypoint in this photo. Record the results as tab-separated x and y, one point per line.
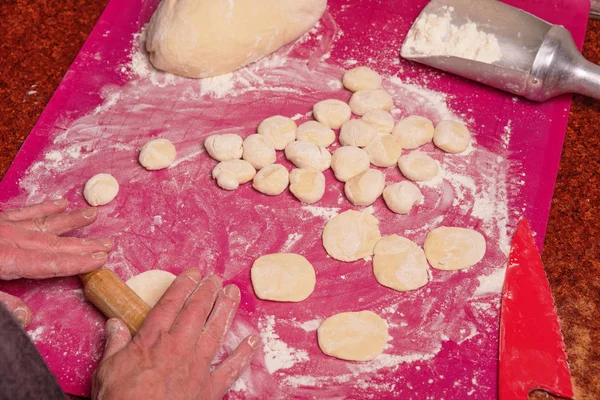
443	337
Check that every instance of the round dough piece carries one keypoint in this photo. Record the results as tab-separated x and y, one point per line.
402	196
282	277
308	185
357	132
452	137
384	150
100	189
151	285
364	101
351	235
315	132
271	180
332	113
450	248
308	155
353	336
348	161
281	130
413	131
418	166
400	264
157	154
224	147
259	151
233	173
363	189
381	119
361	78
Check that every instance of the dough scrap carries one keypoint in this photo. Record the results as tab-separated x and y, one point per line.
452	137
308	185
363	189
315	132
157	154
361	78
364	101
259	151
231	174
100	189
151	285
400	264
401	197
271	180
413	131
224	147
281	130
418	166
381	119
450	248
332	113
384	150
357	132
348	161
308	155
283	277
351	235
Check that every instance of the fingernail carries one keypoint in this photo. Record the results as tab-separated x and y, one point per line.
254	341
232	291
60	202
112	326
107	243
21	315
99	256
215	280
90	212
194	275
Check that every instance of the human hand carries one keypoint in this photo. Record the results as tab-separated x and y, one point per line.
171	356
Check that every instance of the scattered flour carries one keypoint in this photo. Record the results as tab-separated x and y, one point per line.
490	284
278	355
324	212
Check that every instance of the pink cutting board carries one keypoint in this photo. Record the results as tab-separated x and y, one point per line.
443	337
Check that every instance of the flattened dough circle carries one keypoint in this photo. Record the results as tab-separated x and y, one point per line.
400	264
151	285
351	235
450	248
283	277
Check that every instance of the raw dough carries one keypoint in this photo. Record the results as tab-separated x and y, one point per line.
357	132
351	235
100	189
348	161
449	248
308	155
452	137
157	154
363	189
259	151
233	173
414	131
418	166
400	264
402	196
151	285
364	101
315	132
224	147
381	119
282	277
384	150
332	113
202	38
308	185
281	130
353	336
361	78
271	180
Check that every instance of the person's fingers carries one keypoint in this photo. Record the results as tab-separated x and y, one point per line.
60	223
226	374
33	240
118	337
43	209
17	307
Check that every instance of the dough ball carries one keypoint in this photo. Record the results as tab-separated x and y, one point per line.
364	101
281	130
315	132
452	137
332	113
271	180
351	235
151	285
348	161
413	131
203	38
353	336
259	151
380	119
384	150
233	173
400	264
357	132
282	277
363	189
100	189
157	154
418	166
361	78
449	248
308	185
224	147
308	155
402	196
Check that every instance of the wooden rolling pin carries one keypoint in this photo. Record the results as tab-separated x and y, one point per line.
114	298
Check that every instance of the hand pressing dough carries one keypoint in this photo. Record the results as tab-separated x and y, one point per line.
418	166
384	150
283	277
308	185
364	101
151	285
452	137
413	131
400	264
259	151
315	132
308	155
357	132
401	197
449	248
233	173
100	189
281	130
381	119
271	180
203	38
224	147
361	78
363	189
353	336
351	235
348	161
332	113
157	154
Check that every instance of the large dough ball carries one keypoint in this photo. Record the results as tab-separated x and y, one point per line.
402	196
157	154
351	235
418	166
348	161
357	132
361	78
282	277
364	101
400	264
233	173
281	130
315	132
151	285
384	150
100	189
414	131
381	119
308	155
271	180
308	185
259	151
202	38
450	248
224	147
332	113
452	137
363	189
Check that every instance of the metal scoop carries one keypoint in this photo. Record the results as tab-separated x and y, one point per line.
518	53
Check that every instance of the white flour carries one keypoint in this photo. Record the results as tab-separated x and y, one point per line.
278	354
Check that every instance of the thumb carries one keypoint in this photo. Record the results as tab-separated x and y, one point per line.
17	307
118	337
